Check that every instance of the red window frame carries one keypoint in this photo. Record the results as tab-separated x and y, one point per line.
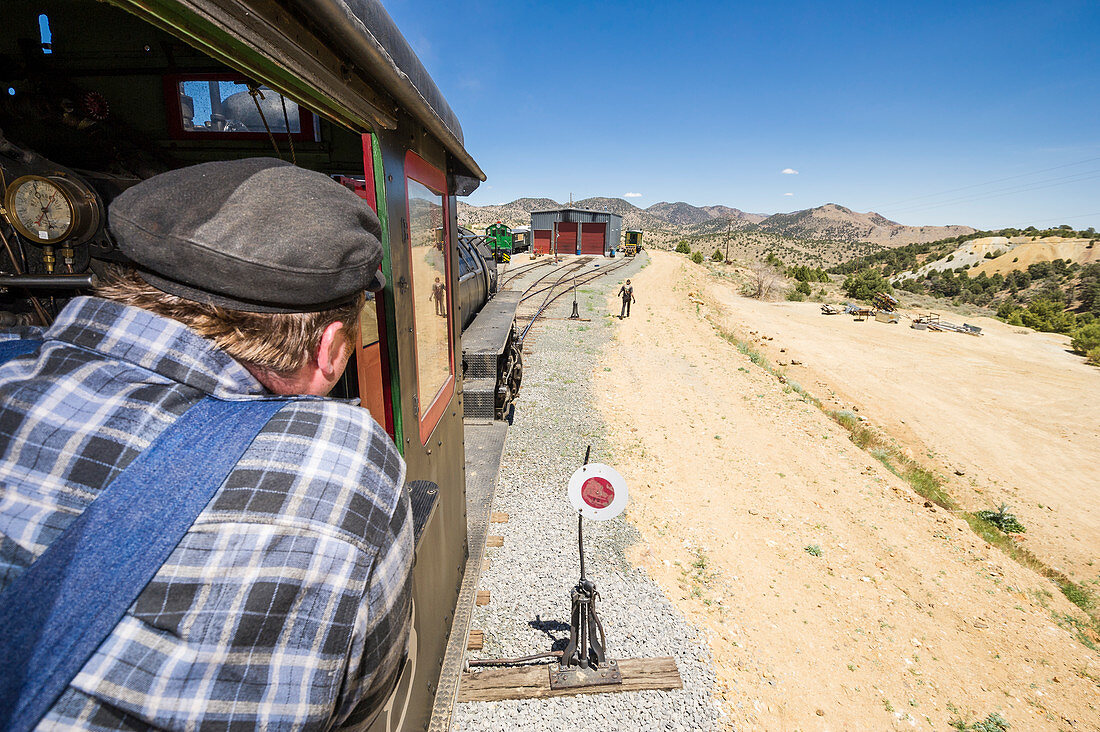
428	175
175	114
374	384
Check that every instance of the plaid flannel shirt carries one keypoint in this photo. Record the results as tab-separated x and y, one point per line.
286	604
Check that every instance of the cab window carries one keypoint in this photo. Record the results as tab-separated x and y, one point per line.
430	258
215	106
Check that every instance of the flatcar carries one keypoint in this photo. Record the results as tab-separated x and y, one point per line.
97	96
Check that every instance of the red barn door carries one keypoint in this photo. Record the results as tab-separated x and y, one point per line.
567	237
592	238
542	241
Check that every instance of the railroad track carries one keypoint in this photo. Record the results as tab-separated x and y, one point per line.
566	270
522	269
551	296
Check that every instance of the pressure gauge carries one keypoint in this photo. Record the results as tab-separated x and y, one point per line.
49	210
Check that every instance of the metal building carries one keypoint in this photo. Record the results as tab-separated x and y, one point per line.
575	231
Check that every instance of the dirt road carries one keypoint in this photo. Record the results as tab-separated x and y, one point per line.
834	598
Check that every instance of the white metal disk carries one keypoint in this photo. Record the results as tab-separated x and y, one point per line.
598	492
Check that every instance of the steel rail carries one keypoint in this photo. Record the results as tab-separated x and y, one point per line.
542	657
568	266
565	269
587	278
522	269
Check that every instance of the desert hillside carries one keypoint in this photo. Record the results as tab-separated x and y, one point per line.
1082	251
1003	254
834	596
685	214
837	223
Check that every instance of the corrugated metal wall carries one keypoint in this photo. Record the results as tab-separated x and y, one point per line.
544	220
614	231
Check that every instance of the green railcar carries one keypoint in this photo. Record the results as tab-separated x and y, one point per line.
499	238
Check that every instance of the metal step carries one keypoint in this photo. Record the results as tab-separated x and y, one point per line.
479	398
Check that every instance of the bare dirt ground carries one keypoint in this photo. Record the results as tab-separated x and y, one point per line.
834	598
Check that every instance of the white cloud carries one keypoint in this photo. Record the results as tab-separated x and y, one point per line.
789	171
788	194
632	195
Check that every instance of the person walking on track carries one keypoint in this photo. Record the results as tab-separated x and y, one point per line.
626	292
439	297
194	536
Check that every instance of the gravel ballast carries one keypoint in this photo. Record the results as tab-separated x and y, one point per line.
531	575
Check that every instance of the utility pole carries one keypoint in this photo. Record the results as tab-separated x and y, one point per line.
729	224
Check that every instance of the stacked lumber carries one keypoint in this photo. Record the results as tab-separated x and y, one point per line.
933	322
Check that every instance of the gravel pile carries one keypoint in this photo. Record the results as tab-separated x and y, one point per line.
532	574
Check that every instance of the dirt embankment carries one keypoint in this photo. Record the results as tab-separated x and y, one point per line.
1082	251
833	597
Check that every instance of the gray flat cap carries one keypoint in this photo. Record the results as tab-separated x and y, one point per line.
258	235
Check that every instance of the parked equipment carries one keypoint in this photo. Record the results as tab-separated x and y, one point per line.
933	322
521	239
885	302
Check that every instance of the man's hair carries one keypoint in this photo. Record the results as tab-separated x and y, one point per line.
280	343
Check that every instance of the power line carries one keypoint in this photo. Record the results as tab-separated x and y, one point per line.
1038	185
986	183
1060	218
1020	187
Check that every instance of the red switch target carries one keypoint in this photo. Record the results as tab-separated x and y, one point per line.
598	492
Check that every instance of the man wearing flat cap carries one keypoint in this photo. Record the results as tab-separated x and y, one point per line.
286	603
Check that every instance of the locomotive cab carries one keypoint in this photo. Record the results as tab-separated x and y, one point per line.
95	97
499	238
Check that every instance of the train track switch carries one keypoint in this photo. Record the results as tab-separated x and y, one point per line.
598	493
576	316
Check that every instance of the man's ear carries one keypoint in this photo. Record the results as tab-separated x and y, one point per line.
330	349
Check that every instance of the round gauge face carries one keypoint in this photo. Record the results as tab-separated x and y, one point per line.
40	209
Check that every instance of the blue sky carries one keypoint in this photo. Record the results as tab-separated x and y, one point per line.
978	113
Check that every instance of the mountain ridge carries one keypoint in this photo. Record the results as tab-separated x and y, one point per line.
829	222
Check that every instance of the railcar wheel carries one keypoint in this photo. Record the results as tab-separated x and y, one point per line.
504	401
516	376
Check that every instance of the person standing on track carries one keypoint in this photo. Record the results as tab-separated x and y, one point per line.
284	600
626	292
